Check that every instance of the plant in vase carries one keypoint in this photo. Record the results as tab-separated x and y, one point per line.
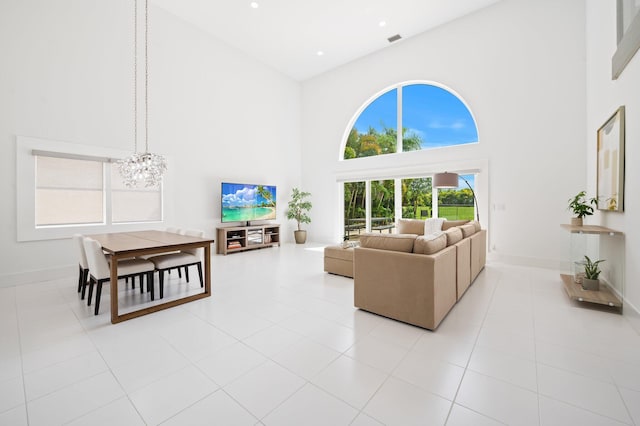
298	210
591	280
581	207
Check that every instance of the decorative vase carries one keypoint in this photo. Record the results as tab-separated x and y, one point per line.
576	221
589	284
300	236
578	274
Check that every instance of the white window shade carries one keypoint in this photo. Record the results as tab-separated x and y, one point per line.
68	191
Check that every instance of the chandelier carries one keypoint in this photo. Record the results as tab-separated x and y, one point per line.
141	168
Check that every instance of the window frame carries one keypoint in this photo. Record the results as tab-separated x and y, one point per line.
399	119
26	229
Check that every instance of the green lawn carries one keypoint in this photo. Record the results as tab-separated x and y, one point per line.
456	213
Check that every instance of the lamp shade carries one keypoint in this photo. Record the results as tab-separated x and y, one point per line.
445	180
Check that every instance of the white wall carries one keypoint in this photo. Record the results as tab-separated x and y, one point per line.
520	66
217	114
604	96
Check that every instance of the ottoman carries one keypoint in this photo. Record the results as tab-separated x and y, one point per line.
338	260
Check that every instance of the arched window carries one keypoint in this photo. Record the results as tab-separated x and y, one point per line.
407	117
410	117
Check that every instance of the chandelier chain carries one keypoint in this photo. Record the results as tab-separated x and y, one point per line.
146	76
135	76
141	168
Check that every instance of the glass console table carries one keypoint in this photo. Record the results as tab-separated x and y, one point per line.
597	242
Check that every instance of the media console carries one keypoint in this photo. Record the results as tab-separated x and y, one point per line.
240	238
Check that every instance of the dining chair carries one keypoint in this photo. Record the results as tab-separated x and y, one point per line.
83	265
183	259
100	270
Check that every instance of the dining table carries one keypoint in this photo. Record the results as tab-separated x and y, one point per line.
122	245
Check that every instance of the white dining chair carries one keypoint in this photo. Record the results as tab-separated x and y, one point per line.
100	270
83	265
183	259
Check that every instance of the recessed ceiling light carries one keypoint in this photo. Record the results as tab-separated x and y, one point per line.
382	23
255	4
319	53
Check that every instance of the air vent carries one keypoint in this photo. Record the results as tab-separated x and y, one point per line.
394	38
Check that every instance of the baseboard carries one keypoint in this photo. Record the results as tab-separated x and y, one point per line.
30	277
632	314
555	265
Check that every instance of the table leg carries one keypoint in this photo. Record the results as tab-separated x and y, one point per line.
114	290
207	269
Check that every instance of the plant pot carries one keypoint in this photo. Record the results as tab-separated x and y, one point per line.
576	221
300	236
589	284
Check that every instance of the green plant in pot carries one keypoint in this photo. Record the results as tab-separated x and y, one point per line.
581	207
591	280
298	210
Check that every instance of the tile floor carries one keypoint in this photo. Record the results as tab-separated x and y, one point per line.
280	343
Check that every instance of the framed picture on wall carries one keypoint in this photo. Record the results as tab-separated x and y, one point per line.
628	35
610	186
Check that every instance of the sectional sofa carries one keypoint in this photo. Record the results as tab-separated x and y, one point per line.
417	278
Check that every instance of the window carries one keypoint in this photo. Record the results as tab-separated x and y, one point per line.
68	191
134	204
416	198
66	188
457	203
420	121
425	116
433	117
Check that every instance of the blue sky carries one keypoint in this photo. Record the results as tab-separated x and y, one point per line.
241	195
435	114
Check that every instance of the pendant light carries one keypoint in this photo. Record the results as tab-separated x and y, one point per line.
142	169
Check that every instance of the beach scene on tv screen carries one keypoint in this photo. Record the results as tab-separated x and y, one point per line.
241	202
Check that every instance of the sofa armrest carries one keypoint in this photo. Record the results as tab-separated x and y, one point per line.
415	288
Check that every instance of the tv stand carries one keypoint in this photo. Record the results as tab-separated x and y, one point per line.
241	238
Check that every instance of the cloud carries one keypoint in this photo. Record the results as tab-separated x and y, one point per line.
242	197
455	125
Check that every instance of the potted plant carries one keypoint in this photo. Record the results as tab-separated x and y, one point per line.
592	271
581	207
298	210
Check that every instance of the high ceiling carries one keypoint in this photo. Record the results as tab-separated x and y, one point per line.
289	34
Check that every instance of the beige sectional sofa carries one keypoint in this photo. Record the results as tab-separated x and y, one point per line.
415	278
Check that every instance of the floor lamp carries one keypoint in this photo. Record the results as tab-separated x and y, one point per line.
450	180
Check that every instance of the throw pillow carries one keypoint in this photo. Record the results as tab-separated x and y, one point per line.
468	230
410	226
453	235
432	225
429	244
392	242
476	224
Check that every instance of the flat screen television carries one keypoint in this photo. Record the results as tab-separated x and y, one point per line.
243	202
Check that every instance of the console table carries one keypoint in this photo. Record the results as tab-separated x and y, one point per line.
591	240
240	238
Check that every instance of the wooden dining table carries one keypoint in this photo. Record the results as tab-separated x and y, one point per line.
121	245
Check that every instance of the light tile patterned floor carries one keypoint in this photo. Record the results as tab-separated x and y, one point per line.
280	343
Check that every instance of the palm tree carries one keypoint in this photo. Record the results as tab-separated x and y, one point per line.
266	195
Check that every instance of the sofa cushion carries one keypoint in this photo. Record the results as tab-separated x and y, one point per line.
476	224
448	224
430	244
433	225
467	230
338	252
392	242
453	235
410	226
